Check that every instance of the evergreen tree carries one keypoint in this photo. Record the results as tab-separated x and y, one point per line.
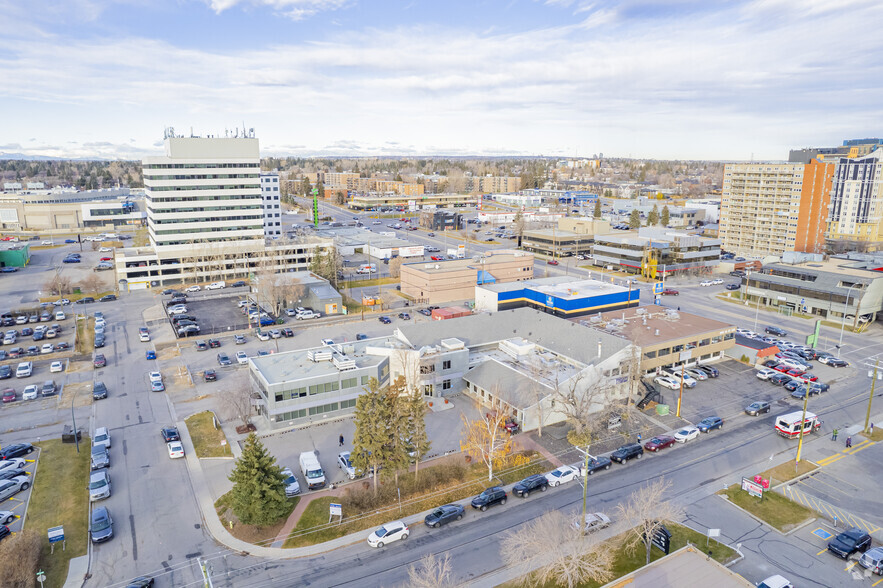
258	494
665	218
395	416
416	410
305	187
653	217
597	213
369	440
634	219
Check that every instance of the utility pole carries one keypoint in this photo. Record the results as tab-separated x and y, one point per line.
802	426
681	393
871	396
585	482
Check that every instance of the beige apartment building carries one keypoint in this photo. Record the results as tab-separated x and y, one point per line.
437	282
339	179
668	337
771	208
492	184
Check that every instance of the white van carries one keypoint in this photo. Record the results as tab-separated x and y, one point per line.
216	286
367	268
312	470
789	425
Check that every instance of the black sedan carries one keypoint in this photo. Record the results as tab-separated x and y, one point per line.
170	434
780	379
444	515
10	473
16	450
99	391
595	464
210	376
385	320
792	385
776	331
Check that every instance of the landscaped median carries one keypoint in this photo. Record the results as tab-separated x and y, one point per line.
208	440
626	561
774	509
445	482
60	497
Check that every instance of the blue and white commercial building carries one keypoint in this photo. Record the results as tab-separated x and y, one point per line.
560	295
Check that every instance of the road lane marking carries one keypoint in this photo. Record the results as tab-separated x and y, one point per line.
859	449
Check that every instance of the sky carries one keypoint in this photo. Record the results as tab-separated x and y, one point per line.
668	79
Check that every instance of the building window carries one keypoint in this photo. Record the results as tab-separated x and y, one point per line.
349	383
663	351
427	369
365	380
427	390
446	364
704	342
291	415
314	410
446	385
649	355
348	403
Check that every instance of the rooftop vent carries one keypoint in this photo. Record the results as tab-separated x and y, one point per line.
343	363
319	355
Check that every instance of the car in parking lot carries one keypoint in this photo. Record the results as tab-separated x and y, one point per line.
850	541
214	343
489	497
286	332
241	357
101	437
100	525
561	475
773	330
733	286
210	376
765	373
30	392
24	369
12	486
170	434
594	464
56	367
385	320
345	463
404	316
275	333
224	359
667	382
776	581
100	361
686	434
292	486
15	450
709	423
176	449
871	560
696	374
780	379
659	442
157	386
263	336
387	533
5	372
834	361
756	408
705	283
99	485
444	515
791	385
12	464
530	484
194	288
9	395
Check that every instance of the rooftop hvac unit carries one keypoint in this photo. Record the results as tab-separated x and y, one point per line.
319	355
343	363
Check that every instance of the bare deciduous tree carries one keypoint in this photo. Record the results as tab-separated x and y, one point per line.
395	267
486	439
645	512
588	401
93	283
58	284
551	550
431	572
237	401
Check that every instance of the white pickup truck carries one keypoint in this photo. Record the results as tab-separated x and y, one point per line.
307	314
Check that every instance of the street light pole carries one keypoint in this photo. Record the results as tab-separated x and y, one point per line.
843	318
802	424
871	397
74	419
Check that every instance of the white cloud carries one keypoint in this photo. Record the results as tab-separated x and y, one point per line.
294	9
716	84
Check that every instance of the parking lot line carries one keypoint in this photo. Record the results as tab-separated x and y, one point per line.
877	582
835	487
847	568
822	551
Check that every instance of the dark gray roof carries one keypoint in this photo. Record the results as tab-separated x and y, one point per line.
752	343
507	384
556	334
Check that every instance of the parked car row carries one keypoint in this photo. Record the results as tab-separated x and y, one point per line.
672	377
14	478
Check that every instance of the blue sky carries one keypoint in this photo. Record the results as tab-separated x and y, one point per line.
673	79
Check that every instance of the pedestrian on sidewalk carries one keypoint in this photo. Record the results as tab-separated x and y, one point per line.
834	434
849	441
340	441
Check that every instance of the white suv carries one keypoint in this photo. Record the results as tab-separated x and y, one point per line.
24	369
102	437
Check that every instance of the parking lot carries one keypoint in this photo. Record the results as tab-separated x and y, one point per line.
13	509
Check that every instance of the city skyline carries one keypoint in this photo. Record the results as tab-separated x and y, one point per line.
667	80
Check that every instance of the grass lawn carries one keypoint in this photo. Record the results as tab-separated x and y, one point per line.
313	526
787	471
60	497
85	336
877	436
625	562
374	282
776	510
206	438
251	533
